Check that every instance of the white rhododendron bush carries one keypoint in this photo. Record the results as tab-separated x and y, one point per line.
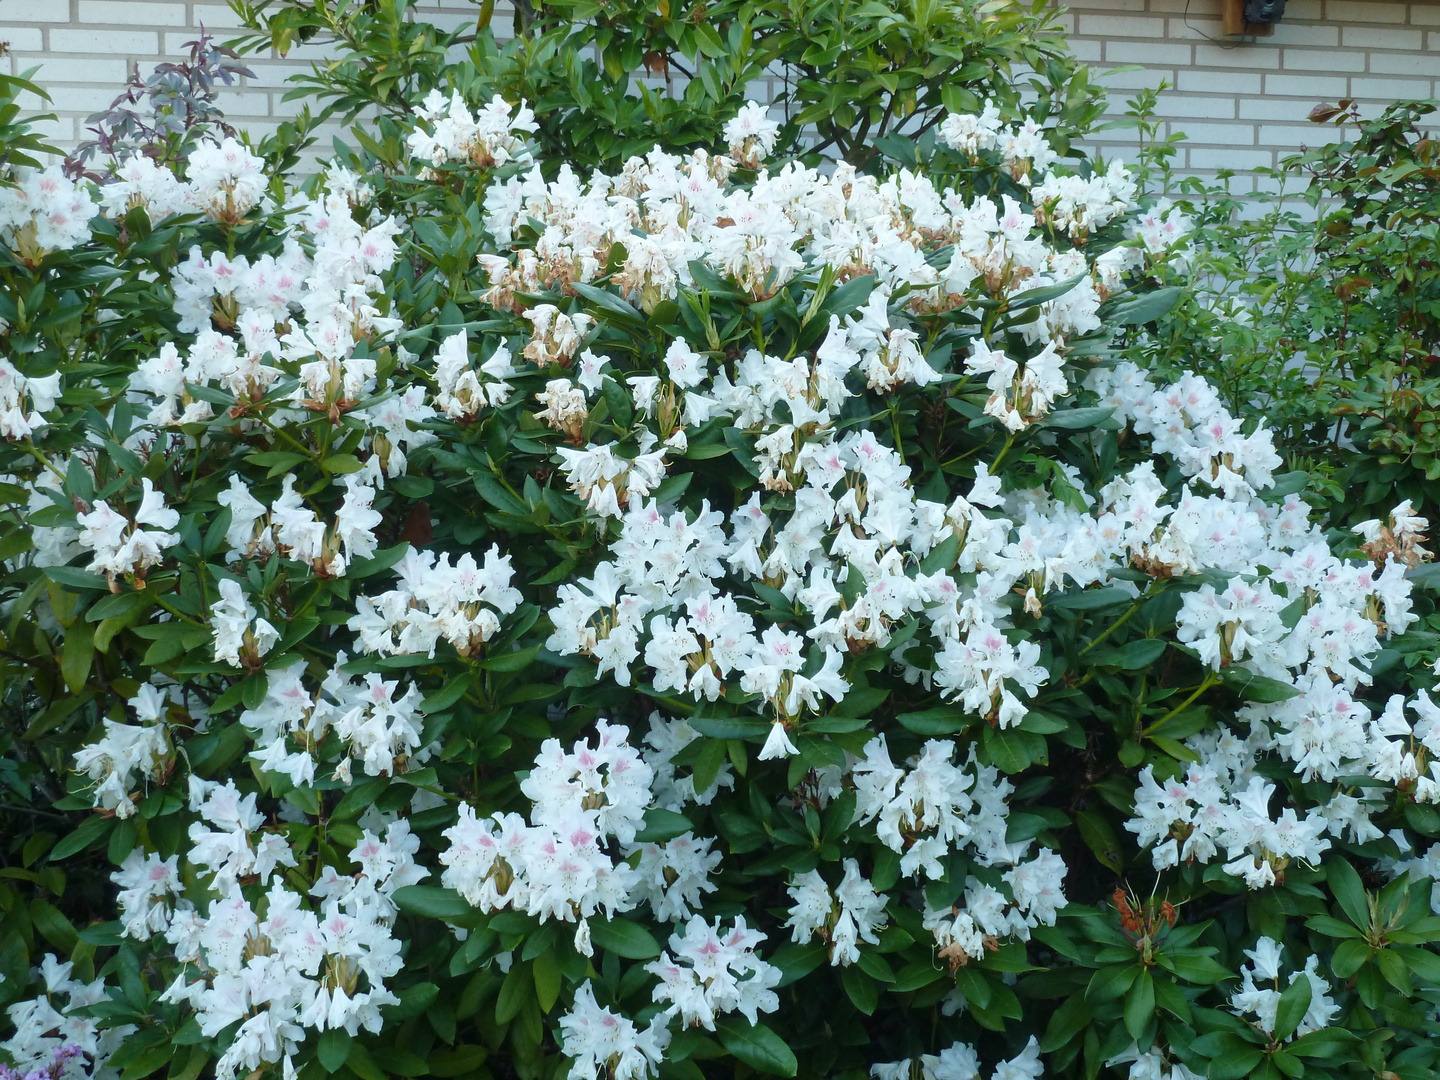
464	617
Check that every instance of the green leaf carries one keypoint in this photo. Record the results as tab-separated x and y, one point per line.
729	727
1294	1003
72	577
1100	838
757	1046
1090	599
1350	957
1144	308
662	825
1254	687
547	979
860	988
1077	419
442	699
1349	892
518	988
86	835
333	1049
1202	970
78	655
1140	654
432	902
1109	983
624	938
1140	1004
943	720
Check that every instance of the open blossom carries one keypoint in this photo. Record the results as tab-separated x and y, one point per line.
241	637
493	135
44	211
227	180
602	1044
124	547
714	971
751	135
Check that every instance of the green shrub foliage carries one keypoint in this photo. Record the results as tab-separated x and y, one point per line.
472	615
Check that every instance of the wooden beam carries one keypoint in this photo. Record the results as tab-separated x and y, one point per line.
1232	21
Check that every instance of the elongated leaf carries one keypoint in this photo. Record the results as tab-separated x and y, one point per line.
624	938
757	1046
432	902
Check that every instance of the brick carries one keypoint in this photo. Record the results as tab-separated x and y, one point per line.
1137	80
1085	50
33	11
1202	158
1389	89
244	105
60	130
1288	33
1195	9
80	99
131	42
64	69
1218	107
1193	28
1405	64
1149	53
1311	86
1113	26
1219	134
23	39
1364	11
214	17
1276	109
1370	37
1425	15
1336	60
1304	9
132	12
1282	136
1233	83
1249	57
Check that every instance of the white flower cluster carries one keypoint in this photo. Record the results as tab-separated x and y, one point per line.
935	808
46	1035
556	866
461	603
751	135
492	136
1024	151
124	547
460	392
371	721
1262	1002
125	749
1323	653
714	972
43	211
960	1062
270	961
293	530
15	421
1080	205
241	636
245	312
601	1042
855	913
226	180
139	182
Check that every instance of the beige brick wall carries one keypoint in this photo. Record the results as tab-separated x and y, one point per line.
85	48
1242	102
